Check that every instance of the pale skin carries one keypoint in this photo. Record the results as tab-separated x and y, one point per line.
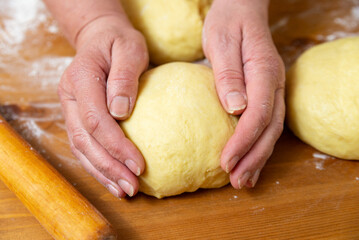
100	86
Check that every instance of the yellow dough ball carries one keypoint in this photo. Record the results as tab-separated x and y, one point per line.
173	29
180	128
323	98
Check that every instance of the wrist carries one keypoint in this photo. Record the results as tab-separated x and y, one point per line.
109	23
246	9
76	16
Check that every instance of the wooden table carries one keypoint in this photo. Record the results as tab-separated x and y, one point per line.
299	195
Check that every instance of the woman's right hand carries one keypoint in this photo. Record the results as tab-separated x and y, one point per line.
99	87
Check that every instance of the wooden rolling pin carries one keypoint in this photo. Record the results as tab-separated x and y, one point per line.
56	204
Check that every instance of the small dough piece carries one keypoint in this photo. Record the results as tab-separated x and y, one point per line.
323	100
180	128
173	29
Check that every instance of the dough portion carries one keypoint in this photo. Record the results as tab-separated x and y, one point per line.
180	127
173	29
323	98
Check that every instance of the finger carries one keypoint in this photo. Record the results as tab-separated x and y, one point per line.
129	60
90	91
111	186
223	48
261	86
247	170
99	158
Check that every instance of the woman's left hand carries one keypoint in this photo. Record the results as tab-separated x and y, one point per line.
250	80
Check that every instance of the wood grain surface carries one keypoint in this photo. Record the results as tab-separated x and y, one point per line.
52	200
301	194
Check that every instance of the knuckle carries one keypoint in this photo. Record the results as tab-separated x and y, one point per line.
123	81
92	120
85	69
273	64
134	44
265	113
114	150
124	77
249	139
64	92
266	60
278	128
222	39
66	81
229	76
70	77
263	120
71	73
270	63
277	69
228	39
261	157
79	139
279	125
281	73
104	167
136	36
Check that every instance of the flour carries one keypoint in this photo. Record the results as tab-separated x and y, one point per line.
319	165
258	210
321	156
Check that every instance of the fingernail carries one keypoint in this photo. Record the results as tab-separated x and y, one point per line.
120	106
112	190
133	167
234	160
255	177
126	186
243	180
236	101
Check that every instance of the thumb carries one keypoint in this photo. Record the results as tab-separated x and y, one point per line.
223	49
129	60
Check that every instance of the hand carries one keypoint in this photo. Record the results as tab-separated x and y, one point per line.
250	81
100	85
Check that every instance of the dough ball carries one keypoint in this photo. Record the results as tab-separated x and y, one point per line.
173	29
180	128
323	100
